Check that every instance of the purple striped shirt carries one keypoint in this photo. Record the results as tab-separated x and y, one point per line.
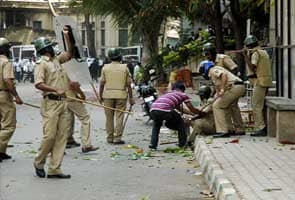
169	101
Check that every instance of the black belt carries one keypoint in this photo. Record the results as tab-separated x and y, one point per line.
4	90
238	83
55	97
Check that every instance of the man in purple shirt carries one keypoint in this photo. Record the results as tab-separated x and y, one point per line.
163	109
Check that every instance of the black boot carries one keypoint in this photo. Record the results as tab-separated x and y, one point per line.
259	133
222	135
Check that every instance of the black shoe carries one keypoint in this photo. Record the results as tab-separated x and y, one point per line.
238	133
152	147
88	149
0	160
72	144
4	156
260	133
40	172
119	142
60	176
222	135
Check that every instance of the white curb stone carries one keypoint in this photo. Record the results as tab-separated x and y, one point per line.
213	173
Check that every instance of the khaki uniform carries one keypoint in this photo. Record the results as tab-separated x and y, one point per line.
79	109
204	125
7	107
234	89
54	113
116	77
234	117
261	60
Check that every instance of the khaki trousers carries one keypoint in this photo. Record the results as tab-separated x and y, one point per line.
114	131
55	123
79	109
204	125
234	120
7	123
258	97
221	107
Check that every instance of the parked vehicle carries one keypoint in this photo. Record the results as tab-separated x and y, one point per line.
148	94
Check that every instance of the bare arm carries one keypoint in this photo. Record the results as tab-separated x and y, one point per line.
46	88
101	88
248	61
192	108
66	56
12	90
75	86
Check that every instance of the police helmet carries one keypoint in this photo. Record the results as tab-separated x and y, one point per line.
4	46
204	92
42	42
251	40
209	48
114	54
204	68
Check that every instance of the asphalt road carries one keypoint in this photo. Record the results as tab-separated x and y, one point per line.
111	173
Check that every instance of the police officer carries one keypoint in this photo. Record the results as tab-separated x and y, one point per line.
115	86
260	76
78	108
7	93
229	88
52	80
234	119
205	123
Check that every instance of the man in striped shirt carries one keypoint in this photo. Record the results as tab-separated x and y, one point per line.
164	109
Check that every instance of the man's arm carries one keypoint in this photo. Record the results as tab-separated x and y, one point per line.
66	56
248	61
75	86
101	88
222	88
10	85
129	89
46	88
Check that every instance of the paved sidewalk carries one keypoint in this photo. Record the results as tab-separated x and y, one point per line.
259	168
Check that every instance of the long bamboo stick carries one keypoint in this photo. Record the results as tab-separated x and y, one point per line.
98	105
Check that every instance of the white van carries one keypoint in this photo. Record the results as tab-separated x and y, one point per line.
20	52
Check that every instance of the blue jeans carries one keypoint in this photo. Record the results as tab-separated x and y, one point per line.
173	121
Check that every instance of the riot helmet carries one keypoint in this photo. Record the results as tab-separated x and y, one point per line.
209	48
4	46
204	68
44	45
204	92
251	41
114	54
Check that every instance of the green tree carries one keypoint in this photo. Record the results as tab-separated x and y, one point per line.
144	17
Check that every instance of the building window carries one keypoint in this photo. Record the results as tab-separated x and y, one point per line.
123	37
123	34
37	26
103	52
102	24
83	34
103	37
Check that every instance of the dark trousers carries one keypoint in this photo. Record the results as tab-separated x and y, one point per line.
173	121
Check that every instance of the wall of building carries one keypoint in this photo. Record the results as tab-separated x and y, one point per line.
282	35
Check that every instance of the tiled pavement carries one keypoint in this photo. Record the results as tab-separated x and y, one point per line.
259	168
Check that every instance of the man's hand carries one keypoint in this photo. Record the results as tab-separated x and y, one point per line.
18	100
75	86
60	92
131	101
245	52
220	93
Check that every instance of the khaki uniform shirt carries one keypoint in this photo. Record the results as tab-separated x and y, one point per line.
261	60
6	72
215	75
116	77
52	73
226	62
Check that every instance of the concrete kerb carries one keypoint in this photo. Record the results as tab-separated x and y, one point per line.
218	183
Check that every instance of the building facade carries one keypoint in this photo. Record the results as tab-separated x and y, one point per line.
282	36
24	20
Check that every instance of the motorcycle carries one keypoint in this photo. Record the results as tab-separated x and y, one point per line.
148	94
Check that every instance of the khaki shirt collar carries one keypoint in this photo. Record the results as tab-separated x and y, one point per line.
3	56
46	58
